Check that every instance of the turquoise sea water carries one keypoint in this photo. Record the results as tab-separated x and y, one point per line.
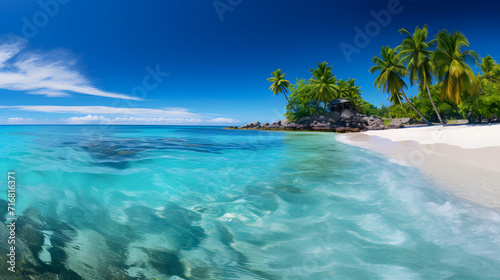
137	202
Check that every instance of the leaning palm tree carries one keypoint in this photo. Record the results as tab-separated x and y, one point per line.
324	84
490	68
279	84
452	68
418	58
391	76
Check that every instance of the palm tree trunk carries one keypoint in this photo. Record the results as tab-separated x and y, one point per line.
293	108
434	105
403	108
415	109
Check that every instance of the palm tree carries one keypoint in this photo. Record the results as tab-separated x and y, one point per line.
343	90
354	91
415	52
324	84
280	85
349	91
490	68
452	68
391	77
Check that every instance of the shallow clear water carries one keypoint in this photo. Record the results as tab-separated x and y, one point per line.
209	203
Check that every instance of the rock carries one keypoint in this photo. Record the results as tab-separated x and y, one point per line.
273	125
405	121
335	116
283	122
290	125
252	125
374	121
323	128
304	119
396	123
346	115
376	127
342	129
347	129
348	120
255	124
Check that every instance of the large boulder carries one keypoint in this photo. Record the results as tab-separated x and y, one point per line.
408	121
314	118
255	124
252	125
304	120
346	115
274	125
375	120
283	122
396	123
334	117
405	121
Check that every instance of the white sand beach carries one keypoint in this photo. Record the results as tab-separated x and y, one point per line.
463	159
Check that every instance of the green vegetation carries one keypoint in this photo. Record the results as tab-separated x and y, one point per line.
452	68
415	52
391	77
458	94
323	84
311	97
279	84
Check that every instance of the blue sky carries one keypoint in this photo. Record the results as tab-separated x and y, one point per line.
198	62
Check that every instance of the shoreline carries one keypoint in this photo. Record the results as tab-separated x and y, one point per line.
463	160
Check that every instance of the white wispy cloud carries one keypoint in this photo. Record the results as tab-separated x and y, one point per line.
90	119
223	120
116	115
51	74
105	110
17	120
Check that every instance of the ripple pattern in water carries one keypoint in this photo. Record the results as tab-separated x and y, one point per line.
133	202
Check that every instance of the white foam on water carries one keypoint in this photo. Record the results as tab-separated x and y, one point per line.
44	254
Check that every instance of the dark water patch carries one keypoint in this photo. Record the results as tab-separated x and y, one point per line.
166	262
119	152
3	210
30	231
29	243
172	220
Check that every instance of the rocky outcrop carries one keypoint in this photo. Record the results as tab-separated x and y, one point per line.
396	123
374	123
345	121
252	125
402	122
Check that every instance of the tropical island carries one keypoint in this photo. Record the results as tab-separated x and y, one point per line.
449	90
